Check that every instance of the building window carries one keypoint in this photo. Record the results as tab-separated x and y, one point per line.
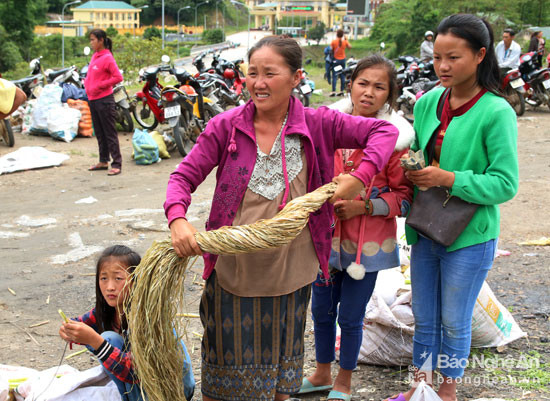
116	16
136	16
123	15
104	15
92	16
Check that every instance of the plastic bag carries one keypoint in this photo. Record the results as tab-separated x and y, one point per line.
63	123
146	150
163	150
49	98
425	393
492	324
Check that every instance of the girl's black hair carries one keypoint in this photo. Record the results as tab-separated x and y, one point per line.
478	33
104	313
288	48
379	61
101	34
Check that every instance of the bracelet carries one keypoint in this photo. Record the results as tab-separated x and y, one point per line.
368	206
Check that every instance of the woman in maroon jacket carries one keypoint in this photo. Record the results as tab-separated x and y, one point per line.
103	74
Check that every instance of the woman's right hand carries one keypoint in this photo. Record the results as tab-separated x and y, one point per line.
183	238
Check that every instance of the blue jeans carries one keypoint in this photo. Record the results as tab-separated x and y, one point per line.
132	391
353	296
445	286
340	74
328	71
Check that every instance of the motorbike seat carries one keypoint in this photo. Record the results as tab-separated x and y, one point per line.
430	85
54	74
23	81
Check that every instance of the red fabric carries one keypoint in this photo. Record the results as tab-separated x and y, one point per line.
376	228
447	114
103	74
117	362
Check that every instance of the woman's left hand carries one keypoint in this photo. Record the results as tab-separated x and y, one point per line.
431	177
348	187
346	209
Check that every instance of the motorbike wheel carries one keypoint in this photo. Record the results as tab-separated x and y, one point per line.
301	97
181	135
7	133
124	119
407	112
210	110
517	101
144	115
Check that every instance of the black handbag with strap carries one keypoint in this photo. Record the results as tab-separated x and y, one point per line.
435	213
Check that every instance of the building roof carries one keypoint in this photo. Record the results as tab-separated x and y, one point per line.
112	5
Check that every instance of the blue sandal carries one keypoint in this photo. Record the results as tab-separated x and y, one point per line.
307	387
338	395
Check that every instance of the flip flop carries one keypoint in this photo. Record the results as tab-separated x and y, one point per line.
399	397
114	171
338	395
307	387
96	167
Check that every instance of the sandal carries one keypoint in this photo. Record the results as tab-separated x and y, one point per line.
399	397
114	171
338	395
98	166
308	387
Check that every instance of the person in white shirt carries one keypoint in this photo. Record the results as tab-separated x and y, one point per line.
427	47
508	51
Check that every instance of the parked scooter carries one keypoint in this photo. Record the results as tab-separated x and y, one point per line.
304	88
513	90
146	106
537	80
31	82
186	109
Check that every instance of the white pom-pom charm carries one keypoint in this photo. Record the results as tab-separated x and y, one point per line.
356	271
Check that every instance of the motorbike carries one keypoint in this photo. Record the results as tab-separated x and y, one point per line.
413	79
146	105
227	78
513	90
31	82
304	89
186	109
537	80
122	100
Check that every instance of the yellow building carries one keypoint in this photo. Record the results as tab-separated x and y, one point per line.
265	13
104	14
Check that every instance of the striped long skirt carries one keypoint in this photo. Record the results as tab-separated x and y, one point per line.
252	347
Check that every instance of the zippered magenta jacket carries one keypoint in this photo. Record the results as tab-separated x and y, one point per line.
103	74
229	143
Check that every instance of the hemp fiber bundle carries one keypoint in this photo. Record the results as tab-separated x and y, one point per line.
157	291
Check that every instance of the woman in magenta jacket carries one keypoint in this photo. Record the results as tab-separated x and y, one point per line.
267	152
103	74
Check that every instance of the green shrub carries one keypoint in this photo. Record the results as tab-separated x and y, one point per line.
213	36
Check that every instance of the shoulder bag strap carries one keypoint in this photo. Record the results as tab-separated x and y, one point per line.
431	144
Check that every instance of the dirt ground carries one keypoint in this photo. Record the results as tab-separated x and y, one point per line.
49	244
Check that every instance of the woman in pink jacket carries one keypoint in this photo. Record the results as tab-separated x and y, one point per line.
103	74
267	152
364	240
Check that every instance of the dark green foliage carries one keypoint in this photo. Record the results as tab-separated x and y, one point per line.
213	36
111	32
152	32
317	32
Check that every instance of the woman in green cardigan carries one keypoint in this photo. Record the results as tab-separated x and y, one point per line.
476	157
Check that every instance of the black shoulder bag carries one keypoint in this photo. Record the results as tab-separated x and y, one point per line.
435	213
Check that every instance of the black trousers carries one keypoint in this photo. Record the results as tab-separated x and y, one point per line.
103	119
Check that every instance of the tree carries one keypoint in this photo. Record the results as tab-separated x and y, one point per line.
213	35
152	32
317	32
111	32
9	52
